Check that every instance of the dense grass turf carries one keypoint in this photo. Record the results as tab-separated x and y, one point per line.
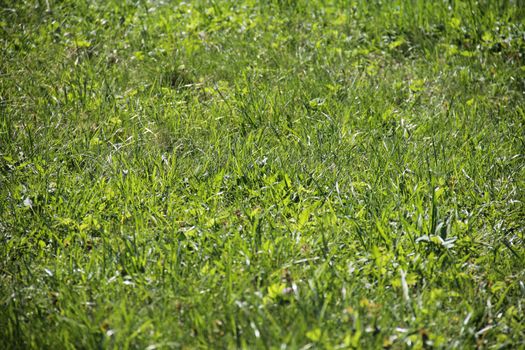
262	174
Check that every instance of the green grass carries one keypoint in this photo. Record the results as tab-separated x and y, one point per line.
262	174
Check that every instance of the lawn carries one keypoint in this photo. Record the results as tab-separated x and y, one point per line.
262	174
